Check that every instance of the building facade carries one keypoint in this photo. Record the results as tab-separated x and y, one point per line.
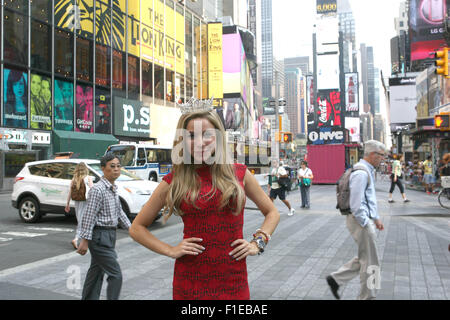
80	75
267	48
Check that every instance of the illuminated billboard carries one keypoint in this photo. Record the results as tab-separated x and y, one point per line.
426	25
326	6
232	46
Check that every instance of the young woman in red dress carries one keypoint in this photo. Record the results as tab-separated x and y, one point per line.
208	191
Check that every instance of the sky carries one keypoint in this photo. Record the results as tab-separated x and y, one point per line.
293	22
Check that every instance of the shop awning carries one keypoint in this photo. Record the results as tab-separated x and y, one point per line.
83	145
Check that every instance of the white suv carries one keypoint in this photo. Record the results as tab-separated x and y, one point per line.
43	186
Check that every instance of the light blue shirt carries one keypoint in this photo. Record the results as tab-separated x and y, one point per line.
363	201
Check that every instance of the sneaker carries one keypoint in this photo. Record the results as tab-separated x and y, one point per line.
391	201
428	192
406	200
334	287
291	212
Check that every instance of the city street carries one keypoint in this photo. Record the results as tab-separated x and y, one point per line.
38	261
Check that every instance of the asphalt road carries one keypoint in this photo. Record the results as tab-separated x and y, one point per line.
23	243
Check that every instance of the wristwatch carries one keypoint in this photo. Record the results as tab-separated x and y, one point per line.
260	244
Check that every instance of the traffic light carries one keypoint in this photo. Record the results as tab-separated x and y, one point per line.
441	62
442	121
287	137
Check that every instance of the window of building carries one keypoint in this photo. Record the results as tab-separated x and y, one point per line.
159	82
84	59
63	52
17	5
41	10
170	86
188	55
133	77
119	67
15	37
102	65
179	89
147	78
14	162
196	57
41	35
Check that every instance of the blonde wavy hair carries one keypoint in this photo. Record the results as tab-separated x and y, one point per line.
81	171
185	184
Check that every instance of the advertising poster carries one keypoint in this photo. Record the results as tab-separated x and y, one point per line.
353	127
102	111
232	113
426	25
328	71
15	99
215	63
309	94
329	108
40	102
403	100
351	92
63	105
84	109
131	118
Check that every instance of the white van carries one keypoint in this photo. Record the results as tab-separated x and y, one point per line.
147	161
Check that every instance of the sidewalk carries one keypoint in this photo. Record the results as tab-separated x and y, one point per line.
304	249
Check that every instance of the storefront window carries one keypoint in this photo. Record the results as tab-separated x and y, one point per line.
147	78
17	5
15	37
41	10
133	77
15	100
63	53
179	89
159	82
14	162
119	70
84	59
41	34
170	86
102	65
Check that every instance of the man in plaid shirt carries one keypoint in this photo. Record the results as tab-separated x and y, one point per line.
98	232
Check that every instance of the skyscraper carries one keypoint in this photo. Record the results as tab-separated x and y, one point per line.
267	47
347	27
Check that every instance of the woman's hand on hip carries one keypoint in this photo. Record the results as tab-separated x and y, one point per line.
243	248
188	246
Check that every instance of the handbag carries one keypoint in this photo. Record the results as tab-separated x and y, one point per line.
306	182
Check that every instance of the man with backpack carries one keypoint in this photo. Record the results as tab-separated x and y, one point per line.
357	200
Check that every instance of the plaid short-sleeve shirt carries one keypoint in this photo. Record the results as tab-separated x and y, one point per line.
103	209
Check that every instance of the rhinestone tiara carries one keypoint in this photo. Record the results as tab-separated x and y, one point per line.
194	105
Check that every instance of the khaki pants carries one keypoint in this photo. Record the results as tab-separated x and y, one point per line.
365	264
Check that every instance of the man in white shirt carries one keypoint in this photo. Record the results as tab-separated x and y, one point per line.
275	189
361	223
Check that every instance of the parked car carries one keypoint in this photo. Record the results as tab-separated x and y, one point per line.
42	187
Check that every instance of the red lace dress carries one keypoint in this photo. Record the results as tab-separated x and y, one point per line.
213	274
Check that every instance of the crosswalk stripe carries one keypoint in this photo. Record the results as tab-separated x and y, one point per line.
51	229
5	239
24	234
